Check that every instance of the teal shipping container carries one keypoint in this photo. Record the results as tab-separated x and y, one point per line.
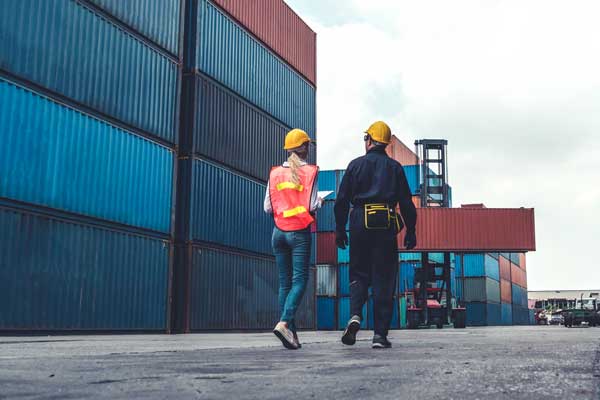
344	313
71	50
326	313
232	56
480	265
57	157
483	314
68	275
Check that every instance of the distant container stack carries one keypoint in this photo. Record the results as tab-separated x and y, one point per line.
493	288
129	174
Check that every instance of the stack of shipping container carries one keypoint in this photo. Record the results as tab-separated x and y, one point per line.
137	142
493	288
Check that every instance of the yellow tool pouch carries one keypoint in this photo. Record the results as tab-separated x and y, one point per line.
377	216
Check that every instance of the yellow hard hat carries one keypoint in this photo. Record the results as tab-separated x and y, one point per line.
380	132
295	138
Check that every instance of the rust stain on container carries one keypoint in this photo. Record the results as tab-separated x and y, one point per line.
474	230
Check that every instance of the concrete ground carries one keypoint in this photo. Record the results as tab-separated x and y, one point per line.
476	363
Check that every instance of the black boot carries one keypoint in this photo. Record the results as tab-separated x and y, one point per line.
381	342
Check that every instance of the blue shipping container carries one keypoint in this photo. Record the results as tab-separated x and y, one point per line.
483	314
409	257
71	50
227	209
344	254
326	313
520	315
158	20
477	265
60	158
330	181
230	290
344	313
326	217
406	276
519	296
506	314
232	56
61	275
412	173
230	130
514	258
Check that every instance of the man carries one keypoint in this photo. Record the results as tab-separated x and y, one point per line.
374	184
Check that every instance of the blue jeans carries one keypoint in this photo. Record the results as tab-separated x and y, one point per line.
292	255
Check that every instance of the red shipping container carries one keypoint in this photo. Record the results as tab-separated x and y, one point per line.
275	24
518	276
505	291
504	268
474	230
401	153
523	261
417	201
326	248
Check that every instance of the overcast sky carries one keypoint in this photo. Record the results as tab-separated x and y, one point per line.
513	85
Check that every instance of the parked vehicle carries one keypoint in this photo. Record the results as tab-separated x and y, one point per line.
557	318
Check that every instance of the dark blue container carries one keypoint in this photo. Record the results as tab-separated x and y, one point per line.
519	295
232	56
227	209
64	275
406	276
57	157
483	314
232	290
158	20
520	315
233	132
330	181
344	313
71	50
326	217
506	314
326	313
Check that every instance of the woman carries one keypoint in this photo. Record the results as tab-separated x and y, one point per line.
292	199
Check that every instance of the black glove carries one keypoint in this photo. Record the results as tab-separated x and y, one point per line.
341	239
410	240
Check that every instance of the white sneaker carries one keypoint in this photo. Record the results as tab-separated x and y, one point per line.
286	336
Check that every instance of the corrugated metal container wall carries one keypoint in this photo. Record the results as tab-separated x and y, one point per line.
230	290
476	265
483	314
326	248
406	276
518	276
506	314
328	182
326	319
158	20
520	315
278	27
344	279
326	217
464	229
344	313
481	289
401	153
233	132
409	257
227	53
505	291
412	173
105	68
326	280
80	164
519	296
504	268
72	276
224	202
515	259
523	261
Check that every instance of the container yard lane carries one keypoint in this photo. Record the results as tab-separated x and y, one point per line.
526	362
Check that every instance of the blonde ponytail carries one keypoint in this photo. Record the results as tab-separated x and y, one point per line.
295	163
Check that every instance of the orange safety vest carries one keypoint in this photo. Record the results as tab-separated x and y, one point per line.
291	202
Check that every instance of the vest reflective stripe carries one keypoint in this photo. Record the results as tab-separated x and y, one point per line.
294	211
291	201
289	185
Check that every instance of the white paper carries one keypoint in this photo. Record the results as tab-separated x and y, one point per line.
324	194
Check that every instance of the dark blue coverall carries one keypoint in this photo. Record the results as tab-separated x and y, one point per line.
373	178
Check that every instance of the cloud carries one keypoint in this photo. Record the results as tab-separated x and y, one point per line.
514	86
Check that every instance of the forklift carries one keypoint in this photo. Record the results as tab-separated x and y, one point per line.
430	303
